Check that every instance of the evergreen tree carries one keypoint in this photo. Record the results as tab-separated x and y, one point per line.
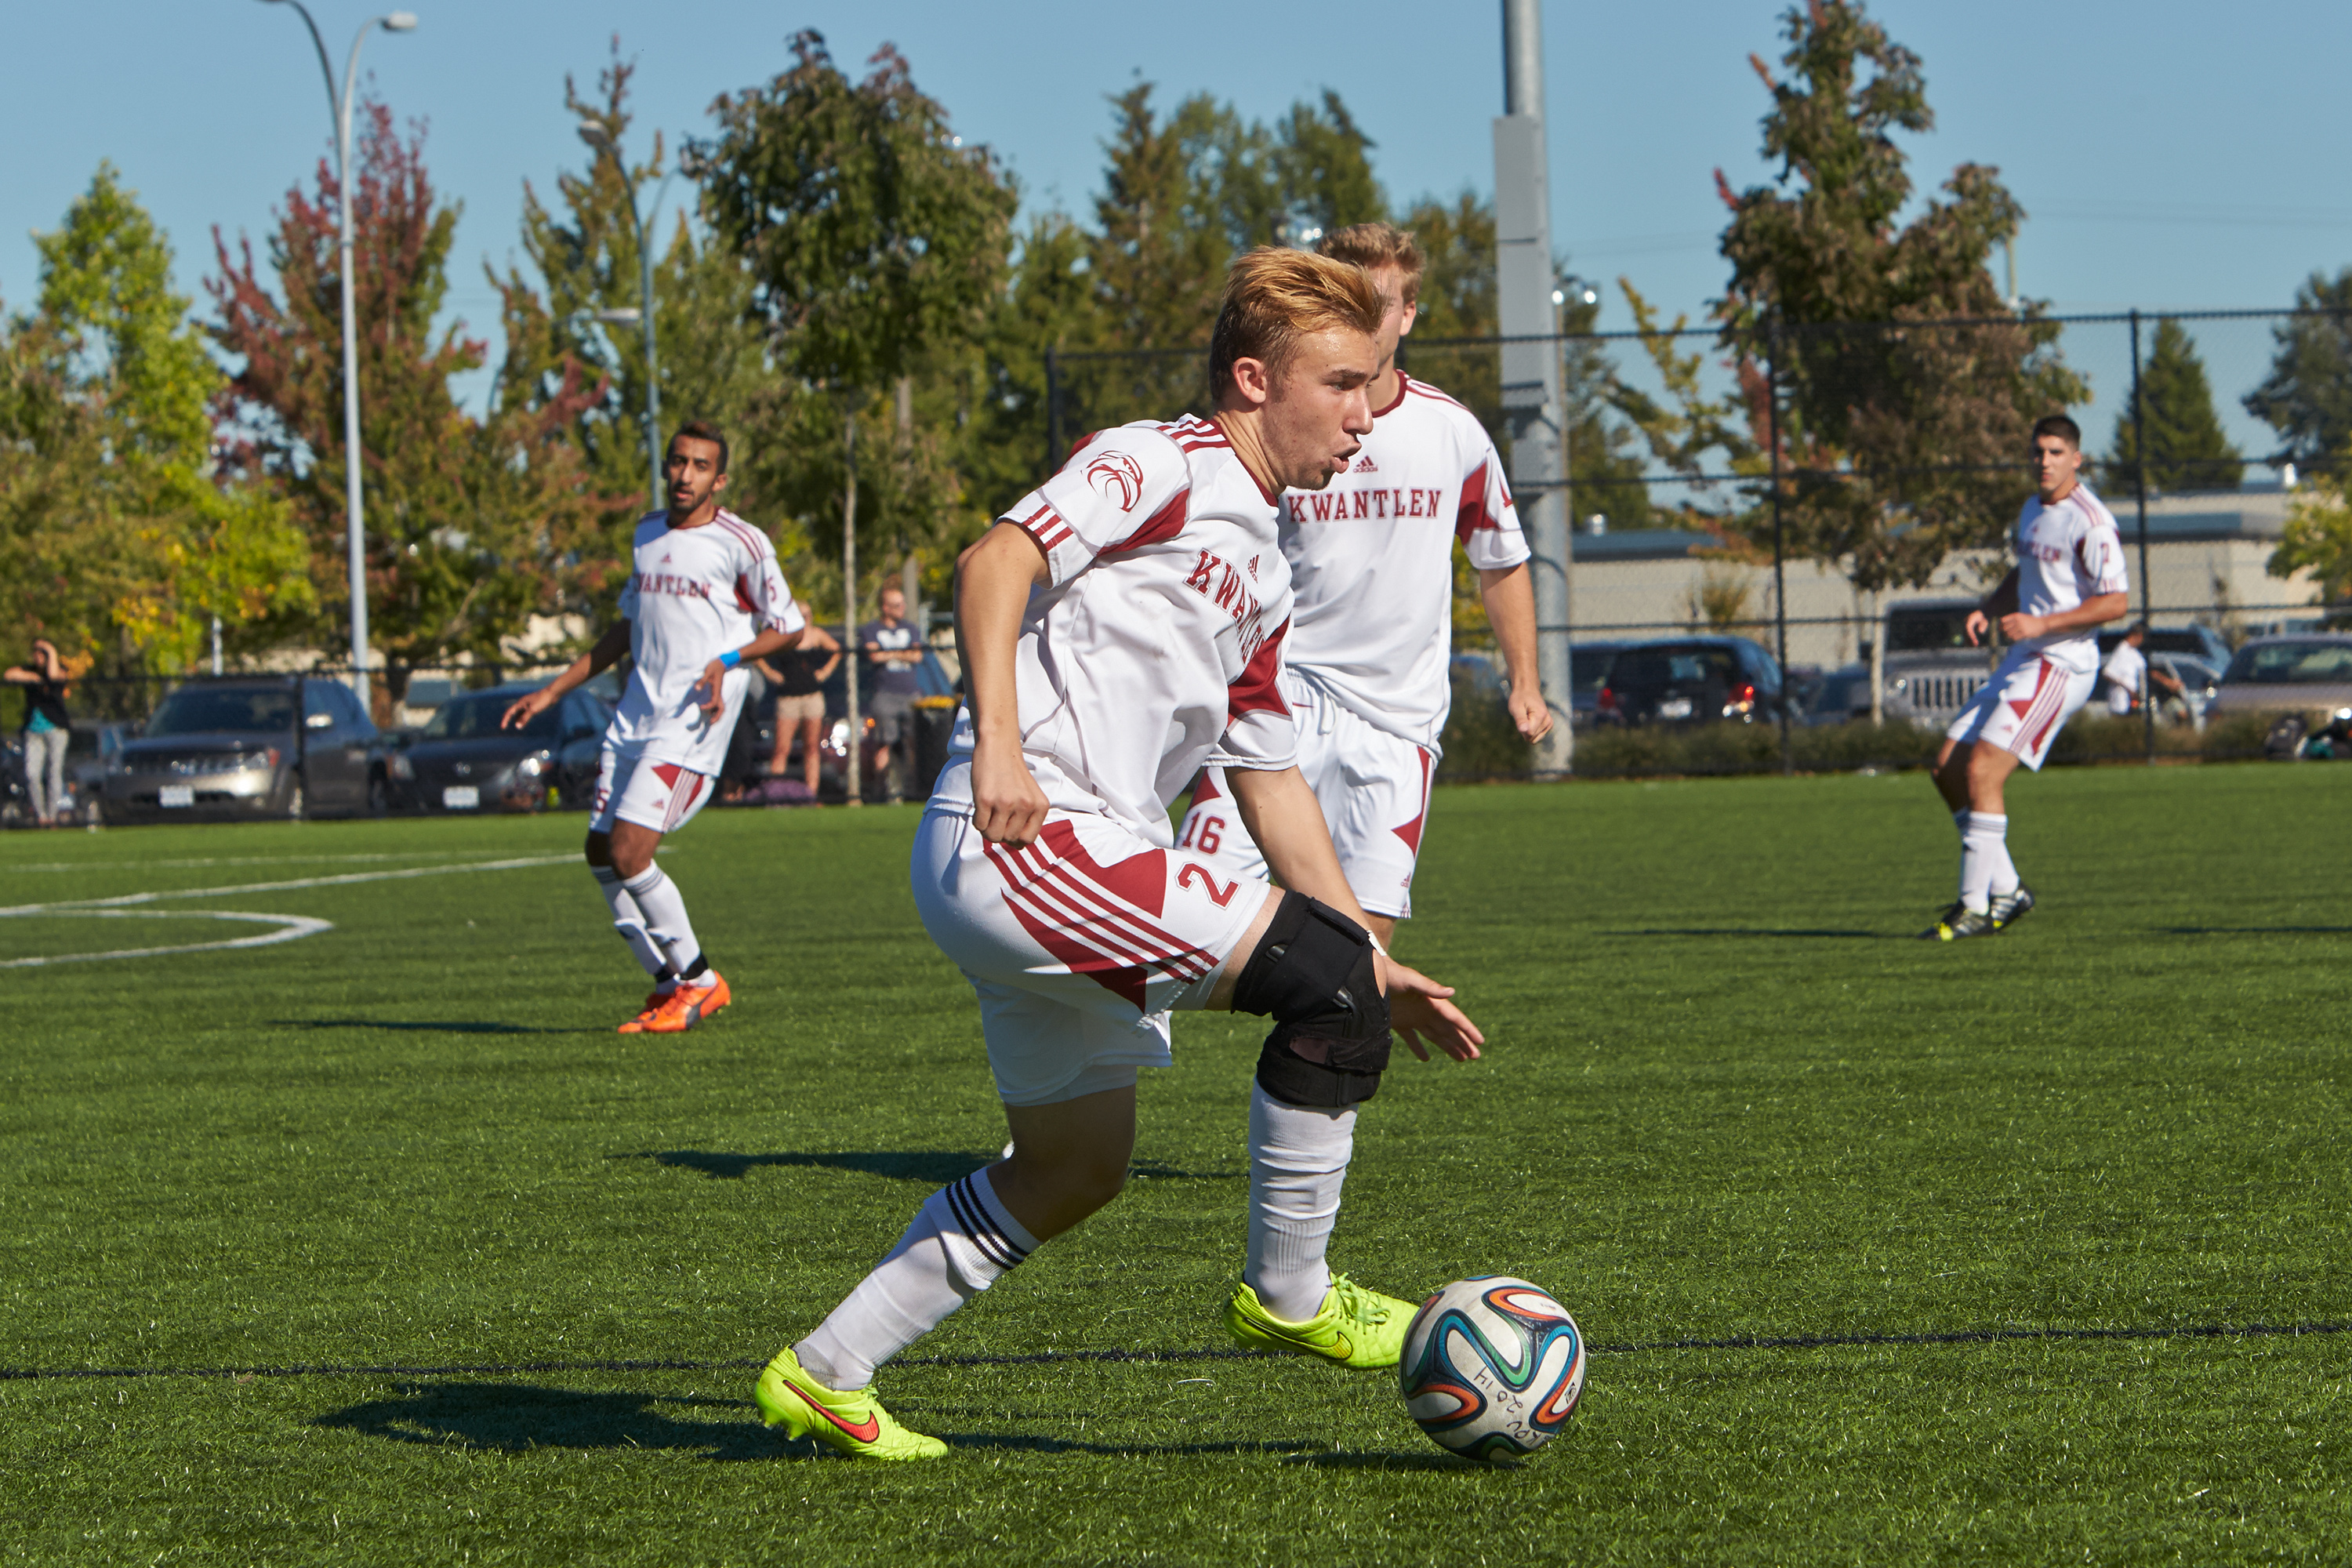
2186	447
2307	397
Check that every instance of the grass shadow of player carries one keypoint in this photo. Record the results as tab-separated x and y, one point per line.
1748	930
2255	931
1026	1443
429	1026
1342	1460
510	1418
934	1167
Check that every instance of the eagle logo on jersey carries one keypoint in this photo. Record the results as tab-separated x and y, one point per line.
1116	471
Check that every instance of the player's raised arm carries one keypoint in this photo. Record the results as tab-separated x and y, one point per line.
532	704
993	580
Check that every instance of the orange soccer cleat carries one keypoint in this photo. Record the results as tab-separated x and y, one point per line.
648	1014
688	1005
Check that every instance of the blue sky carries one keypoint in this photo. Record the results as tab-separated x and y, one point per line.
2170	155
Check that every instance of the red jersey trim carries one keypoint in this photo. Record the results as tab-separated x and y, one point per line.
1257	691
1403	386
1166	523
1044	525
1471	515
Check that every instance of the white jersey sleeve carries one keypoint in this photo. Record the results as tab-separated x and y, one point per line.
1124	488
1260	731
1485	521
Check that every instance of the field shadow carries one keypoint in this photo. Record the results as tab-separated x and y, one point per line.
428	1026
509	1419
936	1167
1748	930
2254	930
1023	1443
1344	1460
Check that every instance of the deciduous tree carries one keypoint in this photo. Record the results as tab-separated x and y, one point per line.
117	537
2307	397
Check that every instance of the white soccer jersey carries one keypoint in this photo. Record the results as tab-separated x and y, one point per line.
1159	638
1372	559
694	594
2067	553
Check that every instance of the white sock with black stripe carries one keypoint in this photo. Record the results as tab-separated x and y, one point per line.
630	922
962	1241
664	914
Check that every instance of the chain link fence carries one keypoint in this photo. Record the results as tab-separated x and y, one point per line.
1836	496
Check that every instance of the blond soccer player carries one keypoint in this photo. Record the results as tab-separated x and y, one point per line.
1120	626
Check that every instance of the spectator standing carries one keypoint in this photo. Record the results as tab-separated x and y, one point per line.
48	728
2128	674
893	649
801	674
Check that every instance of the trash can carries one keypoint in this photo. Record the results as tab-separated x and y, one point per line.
934	728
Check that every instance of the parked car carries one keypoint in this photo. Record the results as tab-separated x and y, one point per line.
2308	674
1930	668
2201	643
1839	696
461	761
246	747
1691	680
755	735
1588	663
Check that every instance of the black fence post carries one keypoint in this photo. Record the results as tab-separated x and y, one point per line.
2139	484
1779	574
1052	411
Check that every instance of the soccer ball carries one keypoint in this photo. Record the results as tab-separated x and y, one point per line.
1492	1367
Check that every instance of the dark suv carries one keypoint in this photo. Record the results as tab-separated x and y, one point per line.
1690	680
246	747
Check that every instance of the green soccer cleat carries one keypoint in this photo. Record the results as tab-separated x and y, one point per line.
1356	1327
2008	909
854	1425
1958	921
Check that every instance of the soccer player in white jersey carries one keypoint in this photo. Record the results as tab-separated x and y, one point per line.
2067	583
1122	625
704	596
1371	564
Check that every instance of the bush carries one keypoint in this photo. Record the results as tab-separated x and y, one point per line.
1750	749
1480	741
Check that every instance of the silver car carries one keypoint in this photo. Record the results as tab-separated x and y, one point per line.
2310	674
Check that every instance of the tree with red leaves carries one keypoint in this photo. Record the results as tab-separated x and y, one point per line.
473	525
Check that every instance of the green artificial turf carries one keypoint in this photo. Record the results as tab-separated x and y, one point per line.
1726	1100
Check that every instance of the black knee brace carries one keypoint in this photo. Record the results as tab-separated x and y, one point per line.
1314	974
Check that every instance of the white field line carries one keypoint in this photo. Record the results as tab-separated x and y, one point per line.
345	879
290	926
227	860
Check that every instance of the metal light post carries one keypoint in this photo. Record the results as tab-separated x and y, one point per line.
601	140
340	104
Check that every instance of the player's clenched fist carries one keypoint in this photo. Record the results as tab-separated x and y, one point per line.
527	707
1007	807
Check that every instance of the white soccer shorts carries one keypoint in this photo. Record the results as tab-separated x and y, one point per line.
2023	706
1374	791
1078	944
633	787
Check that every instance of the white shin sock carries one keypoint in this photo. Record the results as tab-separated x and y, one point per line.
1983	852
630	922
665	916
961	1241
1299	1159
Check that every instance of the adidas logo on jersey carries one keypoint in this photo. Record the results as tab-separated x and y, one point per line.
1364	465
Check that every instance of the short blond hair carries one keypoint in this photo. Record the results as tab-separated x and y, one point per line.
1275	296
1375	244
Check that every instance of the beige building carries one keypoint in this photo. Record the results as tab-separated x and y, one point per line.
2206	559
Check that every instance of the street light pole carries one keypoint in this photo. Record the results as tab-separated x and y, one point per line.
339	104
593	134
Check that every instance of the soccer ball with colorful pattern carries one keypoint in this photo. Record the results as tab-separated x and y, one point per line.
1492	1367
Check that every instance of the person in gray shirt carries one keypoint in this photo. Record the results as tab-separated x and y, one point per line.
893	649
